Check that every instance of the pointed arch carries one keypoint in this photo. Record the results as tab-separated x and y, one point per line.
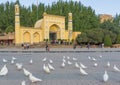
54	31
26	37
36	37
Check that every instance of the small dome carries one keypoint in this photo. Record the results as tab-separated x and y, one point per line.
38	23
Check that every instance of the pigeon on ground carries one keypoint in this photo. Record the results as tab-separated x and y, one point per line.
4	71
33	79
105	77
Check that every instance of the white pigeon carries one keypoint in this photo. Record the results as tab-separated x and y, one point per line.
100	56
89	57
46	69
19	66
108	64
69	63
23	83
4	71
13	58
68	57
26	72
105	77
74	58
44	59
31	61
63	65
116	68
4	60
95	64
76	65
64	60
12	61
94	59
33	79
51	67
82	66
83	72
50	61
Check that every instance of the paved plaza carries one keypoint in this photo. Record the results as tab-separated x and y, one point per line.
64	50
69	75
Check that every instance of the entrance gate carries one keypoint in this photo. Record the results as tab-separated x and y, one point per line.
53	36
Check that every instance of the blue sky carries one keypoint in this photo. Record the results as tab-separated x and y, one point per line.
100	6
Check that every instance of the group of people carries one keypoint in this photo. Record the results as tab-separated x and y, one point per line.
26	46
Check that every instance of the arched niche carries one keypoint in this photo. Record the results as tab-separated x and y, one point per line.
36	37
26	37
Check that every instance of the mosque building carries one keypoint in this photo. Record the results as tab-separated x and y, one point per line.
50	27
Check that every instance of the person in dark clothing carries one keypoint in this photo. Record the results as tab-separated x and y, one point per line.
88	45
22	44
46	47
74	47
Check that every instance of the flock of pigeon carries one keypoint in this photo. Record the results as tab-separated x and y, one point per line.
47	68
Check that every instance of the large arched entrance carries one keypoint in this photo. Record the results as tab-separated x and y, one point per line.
26	37
54	32
36	38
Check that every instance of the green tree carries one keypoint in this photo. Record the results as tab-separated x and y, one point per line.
9	29
17	2
95	35
112	35
82	38
107	40
118	39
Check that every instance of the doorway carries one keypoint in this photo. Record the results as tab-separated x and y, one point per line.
53	37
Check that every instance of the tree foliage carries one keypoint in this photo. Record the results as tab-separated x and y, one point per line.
107	40
118	39
92	36
82	38
9	29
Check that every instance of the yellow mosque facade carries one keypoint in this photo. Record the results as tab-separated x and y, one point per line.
50	27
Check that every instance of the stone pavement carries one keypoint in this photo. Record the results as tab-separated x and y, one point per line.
59	50
69	75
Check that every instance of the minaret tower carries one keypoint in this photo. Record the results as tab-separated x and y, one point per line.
17	24
70	27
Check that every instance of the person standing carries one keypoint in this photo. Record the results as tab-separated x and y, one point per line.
88	45
46	47
74	47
